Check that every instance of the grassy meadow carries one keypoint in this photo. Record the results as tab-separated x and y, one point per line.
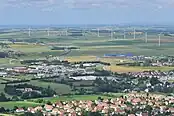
59	88
32	102
11	104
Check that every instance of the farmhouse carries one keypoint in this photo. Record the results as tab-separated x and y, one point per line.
3	74
19	110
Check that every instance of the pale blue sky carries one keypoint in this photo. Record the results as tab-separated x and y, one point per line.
45	12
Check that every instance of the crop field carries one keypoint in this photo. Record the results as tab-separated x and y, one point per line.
124	69
59	88
27	48
11	104
28	103
80	97
76	97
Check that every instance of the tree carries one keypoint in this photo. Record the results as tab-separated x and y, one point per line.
82	91
3	97
39	113
94	114
15	98
149	109
49	103
15	107
154	81
2	110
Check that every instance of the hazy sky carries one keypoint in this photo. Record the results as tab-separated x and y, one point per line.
86	11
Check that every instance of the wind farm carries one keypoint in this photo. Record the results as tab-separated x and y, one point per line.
135	40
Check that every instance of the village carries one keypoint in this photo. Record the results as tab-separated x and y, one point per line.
132	104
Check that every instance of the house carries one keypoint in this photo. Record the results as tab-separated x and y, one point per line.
136	101
31	109
38	108
55	111
19	110
48	107
171	110
3	74
131	114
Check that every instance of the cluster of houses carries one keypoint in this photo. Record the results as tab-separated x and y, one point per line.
155	60
133	104
45	70
144	60
163	76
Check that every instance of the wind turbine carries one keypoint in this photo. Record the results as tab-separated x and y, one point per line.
124	34
98	32
83	31
29	31
111	33
66	32
134	34
146	37
48	31
159	40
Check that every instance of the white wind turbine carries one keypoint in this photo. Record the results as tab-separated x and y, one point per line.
146	37
134	34
159	39
124	34
98	32
29	31
111	33
48	31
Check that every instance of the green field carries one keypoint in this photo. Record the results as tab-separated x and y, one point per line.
59	88
75	97
32	103
11	104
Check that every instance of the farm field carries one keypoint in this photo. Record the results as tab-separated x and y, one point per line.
124	69
28	103
11	104
76	97
59	88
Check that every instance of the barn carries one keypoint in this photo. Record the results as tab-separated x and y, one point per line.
3	55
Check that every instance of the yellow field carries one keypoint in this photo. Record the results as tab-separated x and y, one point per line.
124	69
29	47
94	58
24	45
80	58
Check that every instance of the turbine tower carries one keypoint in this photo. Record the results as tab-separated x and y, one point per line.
29	31
83	32
98	32
111	34
124	34
48	31
146	36
66	31
134	33
159	40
